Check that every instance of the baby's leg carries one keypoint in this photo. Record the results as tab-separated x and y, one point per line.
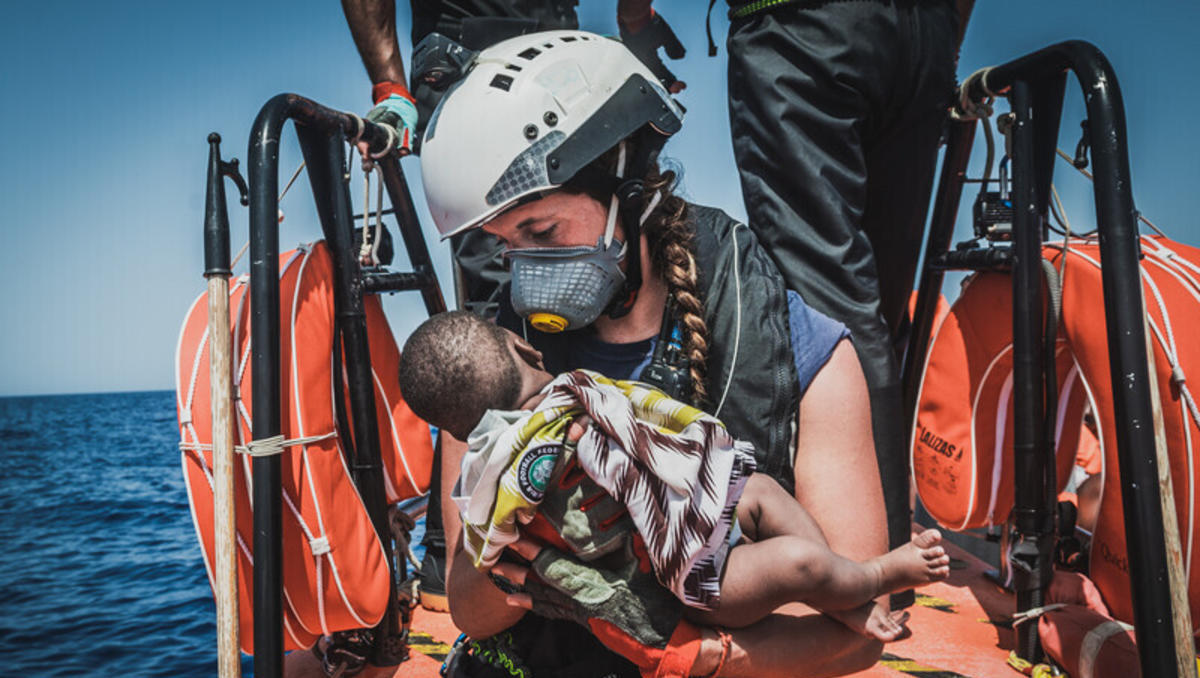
761	576
766	510
764	575
873	621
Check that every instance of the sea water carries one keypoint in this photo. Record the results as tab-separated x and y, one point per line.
101	572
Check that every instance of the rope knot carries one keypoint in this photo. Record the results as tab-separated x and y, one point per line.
1035	612
265	447
968	109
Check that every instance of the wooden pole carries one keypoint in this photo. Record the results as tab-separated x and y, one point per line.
1185	653
221	384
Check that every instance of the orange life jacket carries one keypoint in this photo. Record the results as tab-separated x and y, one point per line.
335	575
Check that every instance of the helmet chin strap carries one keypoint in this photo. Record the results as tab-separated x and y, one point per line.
610	227
629	200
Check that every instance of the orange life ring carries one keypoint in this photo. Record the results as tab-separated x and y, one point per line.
335	575
961	396
1171	295
962	437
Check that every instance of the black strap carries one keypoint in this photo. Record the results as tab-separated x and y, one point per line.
669	370
712	46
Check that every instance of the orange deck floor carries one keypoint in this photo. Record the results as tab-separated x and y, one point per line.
960	629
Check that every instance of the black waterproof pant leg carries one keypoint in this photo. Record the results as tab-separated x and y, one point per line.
836	109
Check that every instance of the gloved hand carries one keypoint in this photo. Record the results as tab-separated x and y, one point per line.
397	109
644	37
626	608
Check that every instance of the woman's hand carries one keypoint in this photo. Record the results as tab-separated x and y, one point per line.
517	574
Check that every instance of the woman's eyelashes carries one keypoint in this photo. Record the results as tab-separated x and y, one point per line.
543	234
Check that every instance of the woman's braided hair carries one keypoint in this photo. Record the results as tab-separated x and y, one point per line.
673	255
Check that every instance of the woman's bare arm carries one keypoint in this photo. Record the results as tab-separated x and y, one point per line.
835	451
476	605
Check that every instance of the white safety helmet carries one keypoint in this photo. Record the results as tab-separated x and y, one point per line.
530	113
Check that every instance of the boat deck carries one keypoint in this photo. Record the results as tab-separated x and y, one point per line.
960	629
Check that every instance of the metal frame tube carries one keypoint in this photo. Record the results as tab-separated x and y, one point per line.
1046	102
263	170
1119	251
324	153
1030	566
410	233
941	230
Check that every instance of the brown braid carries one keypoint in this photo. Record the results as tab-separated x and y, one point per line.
672	255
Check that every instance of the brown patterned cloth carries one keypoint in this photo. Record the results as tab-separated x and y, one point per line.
675	468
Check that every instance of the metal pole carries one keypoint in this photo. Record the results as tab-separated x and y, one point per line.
1029	556
264	311
1132	384
941	230
410	232
320	121
324	152
220	352
1046	99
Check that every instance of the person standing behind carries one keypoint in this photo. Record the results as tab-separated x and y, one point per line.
475	25
836	109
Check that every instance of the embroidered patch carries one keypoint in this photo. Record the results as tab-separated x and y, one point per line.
533	473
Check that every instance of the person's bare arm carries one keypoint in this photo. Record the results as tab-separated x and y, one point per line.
373	26
477	607
835	450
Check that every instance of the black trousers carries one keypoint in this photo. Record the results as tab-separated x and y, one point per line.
836	109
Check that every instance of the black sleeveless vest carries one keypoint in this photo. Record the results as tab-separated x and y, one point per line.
751	370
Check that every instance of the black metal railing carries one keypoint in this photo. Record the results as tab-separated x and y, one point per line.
1035	85
323	134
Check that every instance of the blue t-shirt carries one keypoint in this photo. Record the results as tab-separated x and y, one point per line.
814	336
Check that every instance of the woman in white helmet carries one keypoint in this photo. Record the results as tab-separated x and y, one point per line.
550	143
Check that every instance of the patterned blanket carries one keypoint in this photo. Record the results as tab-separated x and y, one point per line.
676	469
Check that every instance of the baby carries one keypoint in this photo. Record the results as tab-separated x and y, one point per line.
457	370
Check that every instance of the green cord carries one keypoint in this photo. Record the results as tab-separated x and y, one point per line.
492	651
756	6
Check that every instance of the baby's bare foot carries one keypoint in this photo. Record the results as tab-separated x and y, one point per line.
873	621
920	561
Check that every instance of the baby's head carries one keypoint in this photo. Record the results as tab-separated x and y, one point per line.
456	366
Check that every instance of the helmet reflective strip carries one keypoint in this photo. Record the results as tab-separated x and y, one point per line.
527	172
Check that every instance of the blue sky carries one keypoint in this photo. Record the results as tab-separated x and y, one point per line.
107	106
